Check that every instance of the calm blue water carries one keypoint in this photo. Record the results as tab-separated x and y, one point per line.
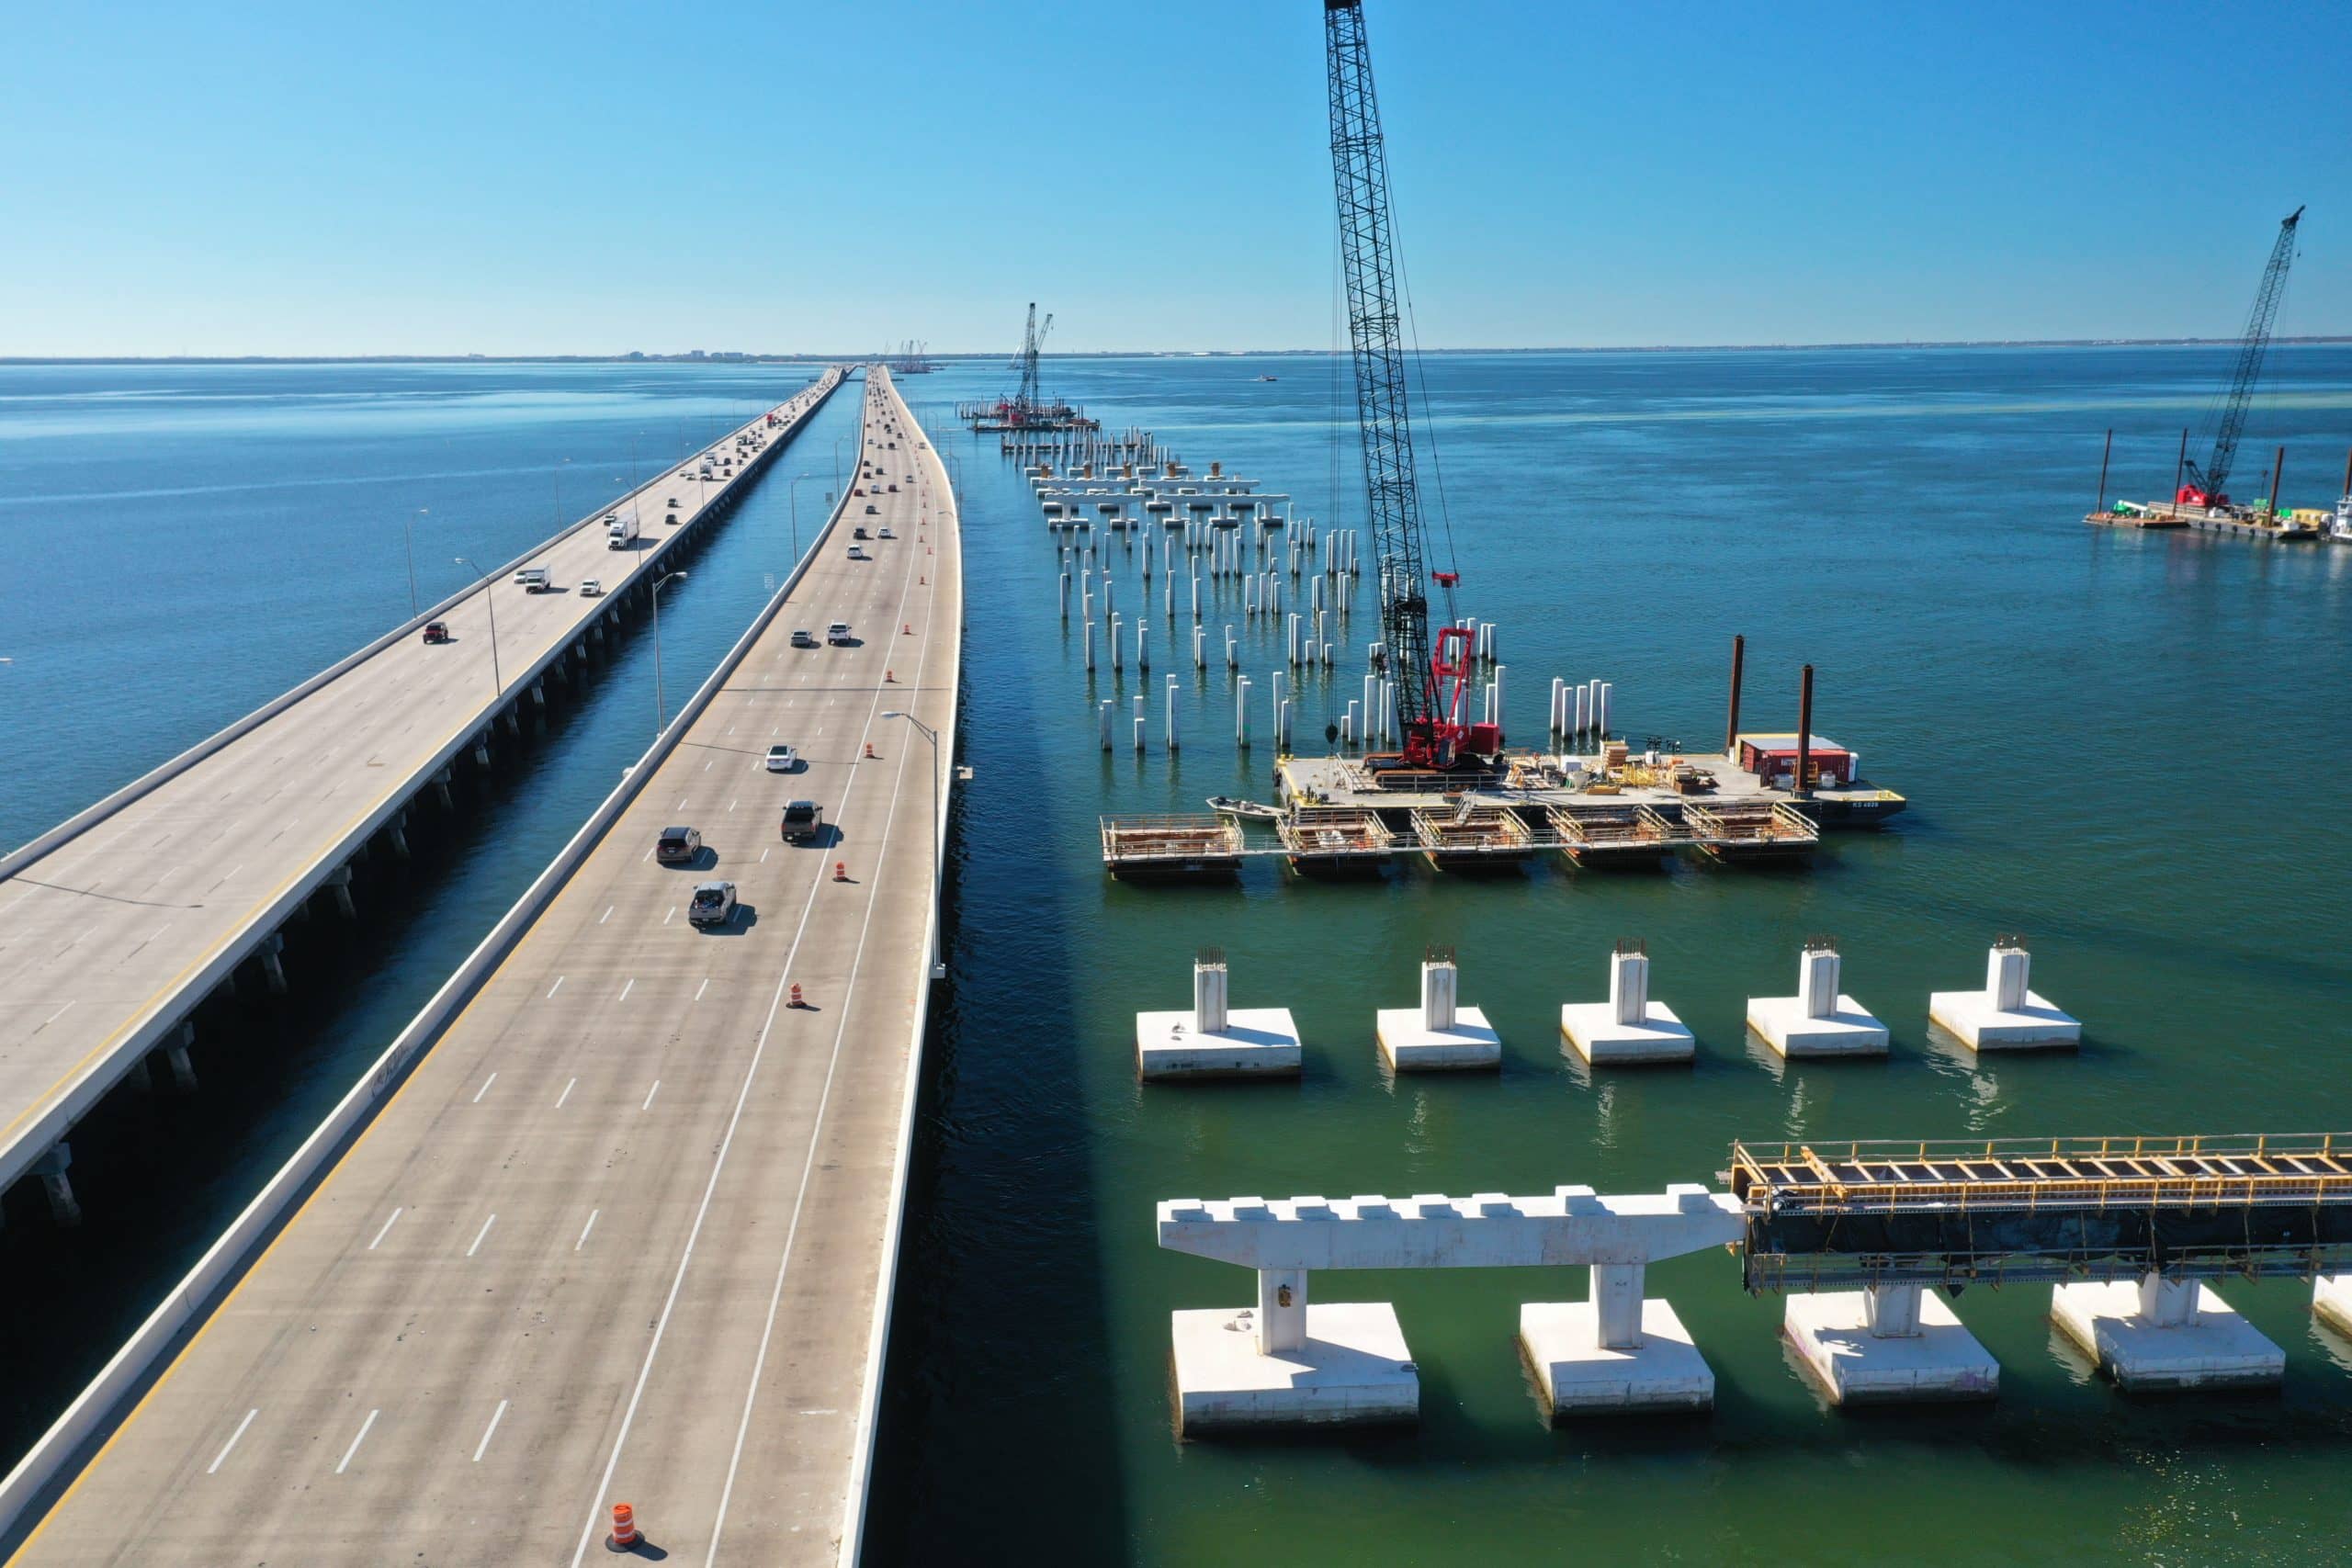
2122	745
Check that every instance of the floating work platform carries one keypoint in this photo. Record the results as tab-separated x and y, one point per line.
1534	780
1751	829
1473	837
2244	522
1335	840
1614	835
1176	848
1340	817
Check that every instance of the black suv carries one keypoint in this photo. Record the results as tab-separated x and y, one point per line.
678	846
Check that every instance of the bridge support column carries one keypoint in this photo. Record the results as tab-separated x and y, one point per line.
2163	1334
513	719
1615	1352
1890	1343
396	833
539	694
1282	1310
340	880
481	750
441	790
175	1060
273	949
52	1168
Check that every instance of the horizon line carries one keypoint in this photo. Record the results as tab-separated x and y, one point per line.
735	356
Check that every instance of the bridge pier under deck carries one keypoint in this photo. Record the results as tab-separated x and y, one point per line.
52	1168
1888	1344
2159	1335
339	879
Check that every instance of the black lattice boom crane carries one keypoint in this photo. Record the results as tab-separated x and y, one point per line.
1430	680
2205	486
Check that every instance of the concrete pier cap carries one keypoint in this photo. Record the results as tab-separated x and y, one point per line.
1287	1361
1442	1033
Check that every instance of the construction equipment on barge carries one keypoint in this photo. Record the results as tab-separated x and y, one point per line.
1027	407
2200	496
1430	680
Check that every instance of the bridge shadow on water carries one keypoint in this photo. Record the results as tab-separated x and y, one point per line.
996	1447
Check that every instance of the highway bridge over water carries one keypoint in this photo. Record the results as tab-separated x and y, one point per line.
614	1220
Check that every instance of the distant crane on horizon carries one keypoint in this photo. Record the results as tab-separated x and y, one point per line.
2206	486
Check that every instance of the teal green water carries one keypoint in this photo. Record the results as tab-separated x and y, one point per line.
2126	747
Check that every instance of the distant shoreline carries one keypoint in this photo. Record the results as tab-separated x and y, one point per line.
2307	340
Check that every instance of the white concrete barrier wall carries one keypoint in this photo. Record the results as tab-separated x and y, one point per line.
34	1138
95	1408
860	1469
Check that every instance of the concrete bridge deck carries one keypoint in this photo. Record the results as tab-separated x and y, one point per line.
116	924
624	1233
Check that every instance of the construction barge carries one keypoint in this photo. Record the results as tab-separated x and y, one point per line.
1608	811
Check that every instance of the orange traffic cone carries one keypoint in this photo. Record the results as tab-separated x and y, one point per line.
889	677
905	630
841	871
624	1537
869	751
796	994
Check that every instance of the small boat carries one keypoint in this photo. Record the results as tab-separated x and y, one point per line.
1268	377
1225	805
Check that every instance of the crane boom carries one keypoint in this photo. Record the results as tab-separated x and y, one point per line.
2205	486
1427	713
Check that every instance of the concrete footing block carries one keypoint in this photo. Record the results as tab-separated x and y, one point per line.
1354	1370
1847	1031
2332	1301
1409	1045
1593	1030
1831	1335
2213	1349
1577	1375
1254	1043
1981	1024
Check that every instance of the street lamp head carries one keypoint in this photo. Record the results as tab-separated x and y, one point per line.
894	715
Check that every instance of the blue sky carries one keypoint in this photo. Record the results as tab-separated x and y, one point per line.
494	177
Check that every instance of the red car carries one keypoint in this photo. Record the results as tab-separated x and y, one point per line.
436	631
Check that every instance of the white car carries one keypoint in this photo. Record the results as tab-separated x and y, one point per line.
782	759
884	534
857	552
591	588
837	633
